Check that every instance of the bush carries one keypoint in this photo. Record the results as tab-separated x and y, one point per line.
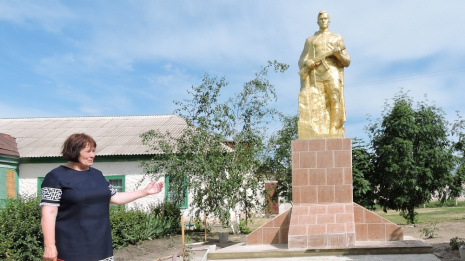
243	228
429	231
20	231
169	213
134	226
126	226
21	234
440	204
456	242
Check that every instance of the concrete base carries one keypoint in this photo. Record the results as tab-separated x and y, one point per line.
408	246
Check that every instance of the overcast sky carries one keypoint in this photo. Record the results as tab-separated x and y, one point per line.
114	57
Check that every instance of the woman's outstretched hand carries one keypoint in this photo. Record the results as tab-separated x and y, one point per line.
154	187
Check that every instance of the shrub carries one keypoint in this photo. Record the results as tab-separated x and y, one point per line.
126	226
171	214
243	228
429	231
21	234
20	231
456	242
134	226
156	227
440	204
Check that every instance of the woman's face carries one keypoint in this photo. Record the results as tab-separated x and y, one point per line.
87	155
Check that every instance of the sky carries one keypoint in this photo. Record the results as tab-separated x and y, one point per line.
115	57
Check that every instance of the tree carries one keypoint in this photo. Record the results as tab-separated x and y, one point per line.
279	162
217	156
455	187
362	174
412	156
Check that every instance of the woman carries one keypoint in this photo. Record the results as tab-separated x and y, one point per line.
75	205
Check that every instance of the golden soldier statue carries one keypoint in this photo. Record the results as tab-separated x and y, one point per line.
321	98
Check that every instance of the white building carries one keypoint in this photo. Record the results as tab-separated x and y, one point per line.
119	150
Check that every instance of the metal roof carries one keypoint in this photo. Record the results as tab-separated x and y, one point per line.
115	135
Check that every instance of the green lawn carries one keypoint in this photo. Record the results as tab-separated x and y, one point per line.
427	215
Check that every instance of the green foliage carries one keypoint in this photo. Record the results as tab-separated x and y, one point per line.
170	215
156	227
429	231
218	156
198	226
455	188
456	242
20	230
410	216
135	226
21	234
127	227
445	203
412	157
362	171
167	209
278	164
426	215
187	249
243	227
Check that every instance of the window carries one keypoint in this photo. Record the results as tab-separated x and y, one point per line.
39	184
169	195
118	182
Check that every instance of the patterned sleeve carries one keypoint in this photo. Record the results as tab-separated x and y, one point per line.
51	191
113	191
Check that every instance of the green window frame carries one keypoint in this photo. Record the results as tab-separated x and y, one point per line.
184	204
118	182
39	184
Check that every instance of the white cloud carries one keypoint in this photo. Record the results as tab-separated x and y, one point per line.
49	14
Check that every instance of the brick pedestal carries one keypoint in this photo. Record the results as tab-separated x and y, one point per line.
323	212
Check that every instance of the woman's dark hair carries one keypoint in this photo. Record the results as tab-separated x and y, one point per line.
74	144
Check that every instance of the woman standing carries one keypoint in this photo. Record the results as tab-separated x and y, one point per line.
75	205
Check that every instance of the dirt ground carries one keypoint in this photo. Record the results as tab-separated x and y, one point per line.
165	247
446	231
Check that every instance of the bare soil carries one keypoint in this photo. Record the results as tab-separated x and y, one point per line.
441	240
166	247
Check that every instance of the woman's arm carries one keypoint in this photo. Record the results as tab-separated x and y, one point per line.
49	215
122	198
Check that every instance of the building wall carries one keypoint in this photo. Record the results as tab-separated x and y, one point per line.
134	179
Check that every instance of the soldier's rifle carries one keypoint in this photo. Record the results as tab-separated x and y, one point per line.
320	60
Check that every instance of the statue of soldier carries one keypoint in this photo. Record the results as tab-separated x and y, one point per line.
321	67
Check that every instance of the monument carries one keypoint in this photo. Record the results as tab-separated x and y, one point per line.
323	215
321	98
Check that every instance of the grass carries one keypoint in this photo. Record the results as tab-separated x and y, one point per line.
427	215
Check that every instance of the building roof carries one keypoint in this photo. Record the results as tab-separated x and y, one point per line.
115	135
8	145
